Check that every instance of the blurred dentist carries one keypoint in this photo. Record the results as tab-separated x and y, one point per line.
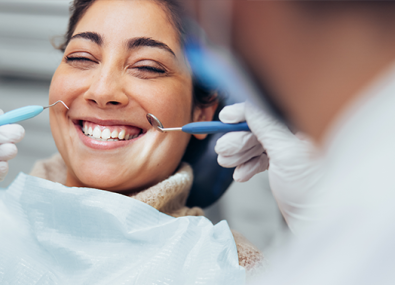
327	69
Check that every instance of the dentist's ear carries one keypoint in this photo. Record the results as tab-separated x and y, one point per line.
204	114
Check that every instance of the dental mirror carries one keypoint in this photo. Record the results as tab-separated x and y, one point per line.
210	127
154	121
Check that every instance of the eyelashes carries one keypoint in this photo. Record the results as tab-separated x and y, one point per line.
80	62
151	69
83	62
69	59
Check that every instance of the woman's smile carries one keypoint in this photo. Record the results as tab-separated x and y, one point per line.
106	135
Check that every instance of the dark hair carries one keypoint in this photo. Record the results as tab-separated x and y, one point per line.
203	96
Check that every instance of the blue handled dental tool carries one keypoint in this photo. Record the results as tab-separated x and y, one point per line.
200	127
24	113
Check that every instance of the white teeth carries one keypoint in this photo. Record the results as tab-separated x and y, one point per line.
121	135
106	134
114	134
96	133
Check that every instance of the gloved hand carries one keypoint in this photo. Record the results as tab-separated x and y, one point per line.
9	135
293	169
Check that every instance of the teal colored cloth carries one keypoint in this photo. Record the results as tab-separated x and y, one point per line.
53	234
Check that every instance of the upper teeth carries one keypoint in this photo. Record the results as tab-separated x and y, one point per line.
114	134
106	134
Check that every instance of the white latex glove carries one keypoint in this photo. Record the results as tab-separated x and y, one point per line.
9	135
293	172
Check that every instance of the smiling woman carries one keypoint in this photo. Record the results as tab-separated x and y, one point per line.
122	60
122	66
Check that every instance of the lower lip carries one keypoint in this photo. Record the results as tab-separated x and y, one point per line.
102	145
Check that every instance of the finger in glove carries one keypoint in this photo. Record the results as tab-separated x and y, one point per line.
11	133
7	151
235	142
239	158
3	169
233	114
245	171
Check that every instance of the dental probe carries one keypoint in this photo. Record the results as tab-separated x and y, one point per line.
200	127
24	113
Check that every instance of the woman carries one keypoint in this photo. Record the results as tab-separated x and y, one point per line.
122	60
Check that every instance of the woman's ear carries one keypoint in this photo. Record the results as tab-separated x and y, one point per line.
204	114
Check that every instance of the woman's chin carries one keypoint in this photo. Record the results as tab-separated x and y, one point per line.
104	180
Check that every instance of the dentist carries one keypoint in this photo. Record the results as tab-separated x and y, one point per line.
330	75
326	69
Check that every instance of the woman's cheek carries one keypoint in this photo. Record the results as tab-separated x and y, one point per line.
68	84
64	86
179	100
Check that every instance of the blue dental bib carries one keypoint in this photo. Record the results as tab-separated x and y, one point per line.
53	234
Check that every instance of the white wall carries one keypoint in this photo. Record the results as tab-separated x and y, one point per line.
26	30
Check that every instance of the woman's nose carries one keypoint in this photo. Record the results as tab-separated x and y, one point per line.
106	91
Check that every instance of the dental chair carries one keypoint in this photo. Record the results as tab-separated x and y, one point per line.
210	179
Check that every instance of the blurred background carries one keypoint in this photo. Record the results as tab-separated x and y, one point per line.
27	62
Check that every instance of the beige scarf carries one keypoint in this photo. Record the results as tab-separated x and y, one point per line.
168	196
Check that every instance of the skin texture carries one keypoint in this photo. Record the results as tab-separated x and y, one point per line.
313	62
111	83
315	65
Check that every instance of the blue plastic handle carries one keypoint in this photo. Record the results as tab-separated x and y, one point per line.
214	127
20	114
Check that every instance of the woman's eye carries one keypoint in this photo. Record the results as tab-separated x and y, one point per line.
70	58
80	61
151	69
148	69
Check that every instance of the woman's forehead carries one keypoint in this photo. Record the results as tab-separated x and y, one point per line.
119	21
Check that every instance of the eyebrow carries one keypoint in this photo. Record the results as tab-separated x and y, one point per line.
130	44
94	37
148	42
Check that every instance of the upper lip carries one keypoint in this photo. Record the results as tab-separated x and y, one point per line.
110	122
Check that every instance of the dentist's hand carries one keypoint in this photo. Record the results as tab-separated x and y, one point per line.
293	173
9	135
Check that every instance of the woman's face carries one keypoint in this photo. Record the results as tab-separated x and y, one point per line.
124	60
